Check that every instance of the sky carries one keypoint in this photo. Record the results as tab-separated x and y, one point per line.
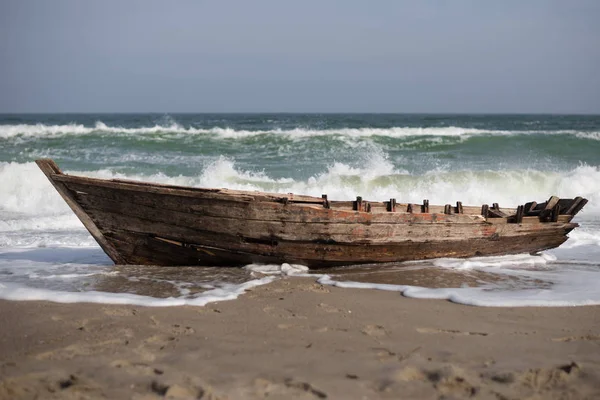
536	56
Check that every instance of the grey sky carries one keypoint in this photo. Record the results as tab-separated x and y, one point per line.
301	56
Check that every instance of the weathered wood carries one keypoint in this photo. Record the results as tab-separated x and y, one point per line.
391	205
519	215
553	201
529	207
267	211
495	212
485	210
459	208
325	201
316	255
266	230
144	223
573	206
184	191
51	170
358	204
555	213
578	208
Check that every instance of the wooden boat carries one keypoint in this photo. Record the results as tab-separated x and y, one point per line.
153	224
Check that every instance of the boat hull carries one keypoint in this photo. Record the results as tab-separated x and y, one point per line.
151	224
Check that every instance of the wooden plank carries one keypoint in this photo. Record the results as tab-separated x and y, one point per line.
235	195
317	255
529	207
495	213
268	211
51	170
553	201
353	233
578	208
573	206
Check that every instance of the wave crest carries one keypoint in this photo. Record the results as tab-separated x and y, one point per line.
173	128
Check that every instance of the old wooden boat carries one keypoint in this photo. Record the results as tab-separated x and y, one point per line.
152	224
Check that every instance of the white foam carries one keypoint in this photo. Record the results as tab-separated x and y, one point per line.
27	193
68	275
173	128
278	269
25	189
540	283
10	291
495	263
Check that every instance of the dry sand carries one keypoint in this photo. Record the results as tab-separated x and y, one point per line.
297	339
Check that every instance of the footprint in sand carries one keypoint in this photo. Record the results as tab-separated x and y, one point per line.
282	313
376	331
77	349
575	338
181	391
286	388
451	331
540	379
446	382
119	312
315	288
182	330
329	309
136	368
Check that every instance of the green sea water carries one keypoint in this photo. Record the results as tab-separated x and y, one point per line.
45	253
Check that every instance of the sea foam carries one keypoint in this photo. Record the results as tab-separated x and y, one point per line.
27	191
173	128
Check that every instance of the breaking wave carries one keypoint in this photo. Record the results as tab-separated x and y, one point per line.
28	131
26	190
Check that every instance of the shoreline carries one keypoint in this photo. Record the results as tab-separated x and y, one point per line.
295	338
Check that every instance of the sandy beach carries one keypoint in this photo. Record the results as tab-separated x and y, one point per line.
295	338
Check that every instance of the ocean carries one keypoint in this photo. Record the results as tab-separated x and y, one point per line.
46	253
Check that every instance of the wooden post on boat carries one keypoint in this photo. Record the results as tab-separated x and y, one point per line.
555	213
547	212
358	204
485	210
459	207
495	206
425	206
409	208
391	206
519	214
325	201
448	209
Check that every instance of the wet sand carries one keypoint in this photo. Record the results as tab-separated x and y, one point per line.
295	338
